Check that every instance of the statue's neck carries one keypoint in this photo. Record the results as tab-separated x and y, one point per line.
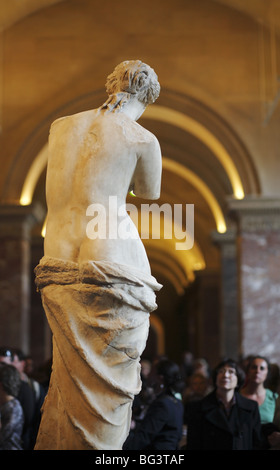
124	103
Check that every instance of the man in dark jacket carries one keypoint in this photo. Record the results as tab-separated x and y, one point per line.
224	420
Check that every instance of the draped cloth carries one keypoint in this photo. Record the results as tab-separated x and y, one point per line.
99	316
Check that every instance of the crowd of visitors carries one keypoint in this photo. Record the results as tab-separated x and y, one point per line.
187	406
235	406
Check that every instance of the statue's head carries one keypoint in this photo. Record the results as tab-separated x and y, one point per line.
136	79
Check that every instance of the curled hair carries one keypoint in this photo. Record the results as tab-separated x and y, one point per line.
131	78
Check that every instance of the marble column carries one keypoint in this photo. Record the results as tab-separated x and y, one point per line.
259	268
229	300
16	223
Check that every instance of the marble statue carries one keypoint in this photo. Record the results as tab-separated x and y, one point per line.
98	291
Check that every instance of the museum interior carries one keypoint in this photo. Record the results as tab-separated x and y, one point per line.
217	120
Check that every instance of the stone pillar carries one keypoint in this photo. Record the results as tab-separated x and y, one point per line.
259	268
15	229
230	315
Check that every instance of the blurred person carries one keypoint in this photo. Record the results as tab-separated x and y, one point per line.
25	397
146	368
39	394
11	413
142	401
20	363
29	366
198	388
161	428
224	420
200	365
43	374
256	389
186	367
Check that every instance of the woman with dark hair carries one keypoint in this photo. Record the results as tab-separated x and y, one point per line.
258	369
161	428
224	420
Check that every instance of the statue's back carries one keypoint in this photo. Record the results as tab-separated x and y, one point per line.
94	157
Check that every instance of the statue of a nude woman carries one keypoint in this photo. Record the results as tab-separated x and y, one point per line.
98	292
